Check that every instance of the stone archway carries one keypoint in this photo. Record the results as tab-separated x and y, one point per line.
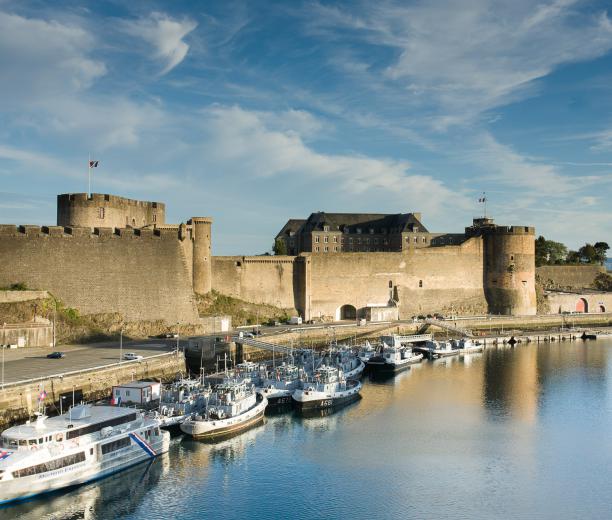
582	305
347	312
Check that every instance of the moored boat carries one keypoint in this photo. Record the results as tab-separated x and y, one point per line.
393	358
84	444
279	384
326	388
366	351
438	349
467	346
233	407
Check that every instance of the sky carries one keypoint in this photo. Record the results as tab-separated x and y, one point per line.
256	112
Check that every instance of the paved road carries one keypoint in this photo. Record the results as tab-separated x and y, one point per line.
26	363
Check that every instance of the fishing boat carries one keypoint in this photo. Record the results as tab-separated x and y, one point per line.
366	351
233	407
279	384
84	444
326	388
438	349
180	400
393	358
467	346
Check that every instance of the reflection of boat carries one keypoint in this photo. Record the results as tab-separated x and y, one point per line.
232	408
327	388
393	358
438	349
279	384
467	346
84	444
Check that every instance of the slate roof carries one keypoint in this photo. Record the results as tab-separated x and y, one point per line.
293	225
397	222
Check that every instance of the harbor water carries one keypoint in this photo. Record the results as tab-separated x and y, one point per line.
515	432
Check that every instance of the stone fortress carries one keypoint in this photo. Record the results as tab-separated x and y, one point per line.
113	254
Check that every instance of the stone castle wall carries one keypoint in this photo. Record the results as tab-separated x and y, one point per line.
141	274
573	277
258	279
103	210
423	280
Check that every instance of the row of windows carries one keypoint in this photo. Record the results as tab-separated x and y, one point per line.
51	465
326	249
372	230
116	445
72	434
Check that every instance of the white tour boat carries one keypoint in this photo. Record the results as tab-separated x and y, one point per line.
233	406
84	444
327	388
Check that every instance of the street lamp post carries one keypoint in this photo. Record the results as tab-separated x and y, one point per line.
2	366
120	345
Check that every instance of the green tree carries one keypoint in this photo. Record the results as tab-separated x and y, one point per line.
549	252
588	254
601	248
573	257
603	282
280	248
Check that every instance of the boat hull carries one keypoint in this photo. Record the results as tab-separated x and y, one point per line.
222	429
328	403
382	367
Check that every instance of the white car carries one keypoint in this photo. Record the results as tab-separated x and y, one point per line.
132	356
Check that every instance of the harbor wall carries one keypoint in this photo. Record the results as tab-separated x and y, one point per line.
141	274
19	401
569	277
596	302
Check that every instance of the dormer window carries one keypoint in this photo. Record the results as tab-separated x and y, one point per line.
358	230
325	228
371	231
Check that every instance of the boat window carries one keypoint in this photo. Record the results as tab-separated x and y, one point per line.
98	426
32	442
116	445
51	465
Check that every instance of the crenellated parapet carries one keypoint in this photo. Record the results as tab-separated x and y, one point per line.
70	232
104	210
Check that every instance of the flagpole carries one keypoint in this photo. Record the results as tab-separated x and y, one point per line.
89	176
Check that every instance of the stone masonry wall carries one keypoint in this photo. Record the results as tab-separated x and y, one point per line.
140	274
568	276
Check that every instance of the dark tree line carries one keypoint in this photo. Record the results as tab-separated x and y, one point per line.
549	252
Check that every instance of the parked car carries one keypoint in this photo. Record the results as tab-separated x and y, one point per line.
56	355
131	356
172	335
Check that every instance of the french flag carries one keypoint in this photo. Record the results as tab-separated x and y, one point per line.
148	449
4	454
93	164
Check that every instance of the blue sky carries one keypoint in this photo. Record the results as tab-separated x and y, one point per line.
256	112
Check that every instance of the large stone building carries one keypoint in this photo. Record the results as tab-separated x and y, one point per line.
358	232
110	254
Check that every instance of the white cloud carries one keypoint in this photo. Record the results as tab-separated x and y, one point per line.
165	35
245	142
463	58
41	59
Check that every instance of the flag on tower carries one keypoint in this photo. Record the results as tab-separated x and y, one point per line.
93	164
42	396
482	199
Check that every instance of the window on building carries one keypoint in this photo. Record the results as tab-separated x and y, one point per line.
335	239
342	240
101	213
416	239
371	231
335	249
424	240
376	240
325	228
317	239
350	240
359	240
367	240
317	249
154	217
326	239
326	249
358	230
420	283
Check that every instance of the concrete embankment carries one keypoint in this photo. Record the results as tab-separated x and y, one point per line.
19	400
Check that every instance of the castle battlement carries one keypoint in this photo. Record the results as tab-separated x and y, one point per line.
69	232
101	198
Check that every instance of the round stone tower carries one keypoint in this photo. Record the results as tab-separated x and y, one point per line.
202	261
509	269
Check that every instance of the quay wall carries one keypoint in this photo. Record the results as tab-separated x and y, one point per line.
570	277
19	401
141	274
596	302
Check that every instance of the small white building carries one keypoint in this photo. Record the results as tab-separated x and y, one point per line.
139	392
